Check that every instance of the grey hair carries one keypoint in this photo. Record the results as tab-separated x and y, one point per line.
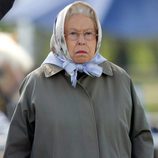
81	8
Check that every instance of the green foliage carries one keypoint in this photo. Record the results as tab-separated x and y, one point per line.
141	63
138	57
152	108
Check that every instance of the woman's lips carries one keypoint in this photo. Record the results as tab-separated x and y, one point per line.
81	52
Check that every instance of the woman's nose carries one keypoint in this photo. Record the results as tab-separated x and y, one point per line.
81	39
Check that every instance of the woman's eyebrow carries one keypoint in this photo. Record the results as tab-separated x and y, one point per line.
87	29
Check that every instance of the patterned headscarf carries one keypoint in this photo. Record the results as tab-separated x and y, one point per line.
59	54
57	42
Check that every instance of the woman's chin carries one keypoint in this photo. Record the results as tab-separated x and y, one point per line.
81	59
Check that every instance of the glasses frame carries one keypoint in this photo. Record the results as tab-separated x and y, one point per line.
69	35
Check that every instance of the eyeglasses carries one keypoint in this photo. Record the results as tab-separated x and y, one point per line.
88	35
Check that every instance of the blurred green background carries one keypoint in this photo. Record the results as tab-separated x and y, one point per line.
139	57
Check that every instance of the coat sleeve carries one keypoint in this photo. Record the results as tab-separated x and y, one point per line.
140	133
21	131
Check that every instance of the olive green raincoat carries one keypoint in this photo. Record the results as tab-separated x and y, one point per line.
100	118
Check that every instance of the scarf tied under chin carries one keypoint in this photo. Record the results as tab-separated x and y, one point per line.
91	68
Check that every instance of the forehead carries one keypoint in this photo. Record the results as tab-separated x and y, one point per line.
79	21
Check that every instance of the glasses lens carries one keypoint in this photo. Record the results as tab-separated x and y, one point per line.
88	35
73	36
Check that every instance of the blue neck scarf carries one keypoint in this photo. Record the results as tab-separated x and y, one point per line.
91	68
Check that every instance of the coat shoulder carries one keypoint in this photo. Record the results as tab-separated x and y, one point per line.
117	70
116	73
34	75
31	78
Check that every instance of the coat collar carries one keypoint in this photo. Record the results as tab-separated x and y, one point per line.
107	69
50	70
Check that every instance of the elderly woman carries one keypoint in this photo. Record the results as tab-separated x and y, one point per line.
78	104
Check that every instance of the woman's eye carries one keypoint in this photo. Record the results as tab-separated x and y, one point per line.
88	33
73	33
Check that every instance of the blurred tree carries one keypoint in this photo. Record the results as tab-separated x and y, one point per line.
154	49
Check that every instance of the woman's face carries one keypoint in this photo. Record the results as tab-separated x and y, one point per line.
81	38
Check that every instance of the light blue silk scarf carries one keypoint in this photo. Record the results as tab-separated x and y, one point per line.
91	68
